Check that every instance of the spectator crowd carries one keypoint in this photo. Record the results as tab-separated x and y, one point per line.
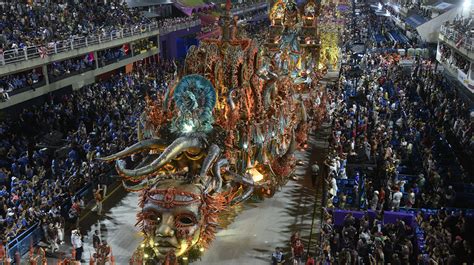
453	58
401	139
48	152
36	29
400	121
24	80
46	28
462	26
37	24
61	69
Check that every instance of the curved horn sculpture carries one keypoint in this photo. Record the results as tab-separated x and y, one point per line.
138	187
173	150
244	196
217	185
142	145
249	183
241	179
147	183
214	151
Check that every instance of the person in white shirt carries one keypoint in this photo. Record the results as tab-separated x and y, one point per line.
277	257
60	230
334	188
397	197
375	200
76	240
333	166
4	94
367	149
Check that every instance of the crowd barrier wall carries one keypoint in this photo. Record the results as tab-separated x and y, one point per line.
389	217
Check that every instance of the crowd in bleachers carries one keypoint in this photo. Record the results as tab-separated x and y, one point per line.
54	25
398	121
402	138
61	69
38	181
251	20
462	25
143	45
254	15
173	21
437	237
246	4
40	29
29	79
38	24
453	58
113	55
16	81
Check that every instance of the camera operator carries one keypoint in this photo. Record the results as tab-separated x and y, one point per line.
76	240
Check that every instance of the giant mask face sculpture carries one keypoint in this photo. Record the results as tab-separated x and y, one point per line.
176	216
172	218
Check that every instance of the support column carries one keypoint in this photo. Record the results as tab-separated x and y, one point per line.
96	59
131	49
44	69
158	43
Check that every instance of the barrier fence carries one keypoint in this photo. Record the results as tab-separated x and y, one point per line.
245	9
12	56
177	27
24	241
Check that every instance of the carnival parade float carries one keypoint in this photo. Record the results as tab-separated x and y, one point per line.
226	130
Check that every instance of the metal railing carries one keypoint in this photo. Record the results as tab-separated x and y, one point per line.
176	27
23	242
12	56
248	8
455	36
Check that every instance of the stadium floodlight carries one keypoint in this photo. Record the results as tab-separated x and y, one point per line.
466	7
467	4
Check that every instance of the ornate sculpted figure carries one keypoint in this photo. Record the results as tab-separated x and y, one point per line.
277	13
292	16
225	130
